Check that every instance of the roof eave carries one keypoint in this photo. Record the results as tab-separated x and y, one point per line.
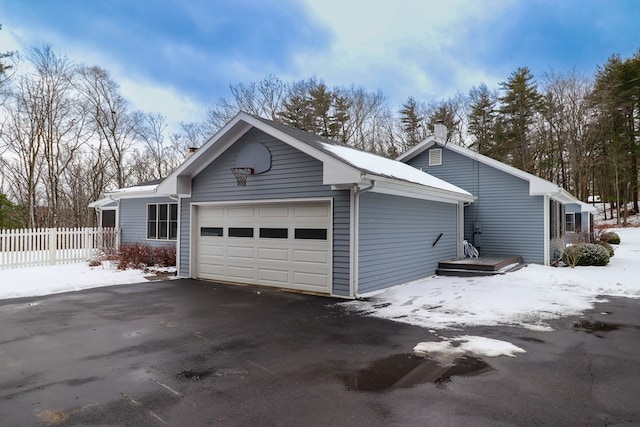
417	191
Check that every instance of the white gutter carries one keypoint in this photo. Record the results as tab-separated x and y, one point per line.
355	235
418	191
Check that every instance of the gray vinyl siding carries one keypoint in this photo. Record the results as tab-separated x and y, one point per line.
293	174
396	236
133	221
184	236
512	221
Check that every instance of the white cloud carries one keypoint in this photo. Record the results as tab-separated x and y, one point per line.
150	97
403	48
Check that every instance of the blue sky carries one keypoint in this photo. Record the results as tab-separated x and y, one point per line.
179	56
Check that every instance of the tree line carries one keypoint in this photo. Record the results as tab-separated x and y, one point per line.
67	134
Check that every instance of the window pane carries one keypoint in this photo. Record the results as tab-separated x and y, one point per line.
173	230
162	229
151	230
151	212
311	233
569	222
274	233
109	218
578	222
162	214
240	232
173	211
211	231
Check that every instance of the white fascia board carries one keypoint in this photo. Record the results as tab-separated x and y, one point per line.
416	191
585	207
537	185
117	195
336	173
101	203
562	196
542	187
417	149
175	184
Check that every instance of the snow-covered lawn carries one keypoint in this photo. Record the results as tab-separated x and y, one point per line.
525	298
37	281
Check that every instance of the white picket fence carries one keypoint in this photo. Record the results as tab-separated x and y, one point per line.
50	246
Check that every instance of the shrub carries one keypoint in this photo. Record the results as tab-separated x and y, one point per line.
607	246
571	256
610	237
589	254
137	255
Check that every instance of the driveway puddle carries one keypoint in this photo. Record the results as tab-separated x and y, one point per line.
408	370
194	375
197	375
595	326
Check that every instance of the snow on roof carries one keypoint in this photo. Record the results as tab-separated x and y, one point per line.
135	189
382	166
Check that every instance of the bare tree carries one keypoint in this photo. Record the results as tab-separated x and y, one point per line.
21	135
61	121
159	153
115	126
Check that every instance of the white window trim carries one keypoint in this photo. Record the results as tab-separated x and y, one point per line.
177	221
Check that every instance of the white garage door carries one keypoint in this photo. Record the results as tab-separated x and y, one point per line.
283	245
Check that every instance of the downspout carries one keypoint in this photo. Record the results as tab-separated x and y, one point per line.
177	199
546	226
357	191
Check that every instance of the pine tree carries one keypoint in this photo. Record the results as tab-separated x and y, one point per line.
482	118
412	124
520	104
446	114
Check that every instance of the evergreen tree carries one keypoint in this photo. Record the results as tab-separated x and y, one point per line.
320	103
482	118
446	114
11	215
412	123
519	105
617	97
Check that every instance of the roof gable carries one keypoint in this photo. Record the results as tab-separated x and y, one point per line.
341	165
537	185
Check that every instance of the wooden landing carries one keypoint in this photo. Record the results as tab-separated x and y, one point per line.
480	266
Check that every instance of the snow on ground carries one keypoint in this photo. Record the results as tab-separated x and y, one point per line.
447	350
527	298
37	281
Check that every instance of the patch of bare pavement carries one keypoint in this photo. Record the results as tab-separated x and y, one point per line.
186	352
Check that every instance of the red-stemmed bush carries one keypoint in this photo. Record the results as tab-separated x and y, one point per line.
139	255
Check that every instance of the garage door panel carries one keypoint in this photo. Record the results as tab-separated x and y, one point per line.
312	256
309	279
311	212
211	250
211	213
278	277
240	252
241	273
269	212
241	212
212	269
289	244
273	254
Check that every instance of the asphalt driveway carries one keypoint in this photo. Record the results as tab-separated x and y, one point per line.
191	353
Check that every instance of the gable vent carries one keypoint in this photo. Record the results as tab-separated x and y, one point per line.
435	157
